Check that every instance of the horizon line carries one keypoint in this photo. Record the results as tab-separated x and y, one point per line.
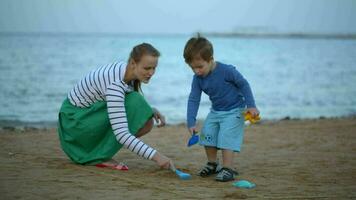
306	35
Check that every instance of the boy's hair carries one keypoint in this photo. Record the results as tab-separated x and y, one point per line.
198	46
137	53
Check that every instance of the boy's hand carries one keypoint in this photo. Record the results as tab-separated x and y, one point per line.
253	112
192	130
252	115
159	118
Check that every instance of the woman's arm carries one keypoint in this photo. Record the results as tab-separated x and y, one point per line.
115	97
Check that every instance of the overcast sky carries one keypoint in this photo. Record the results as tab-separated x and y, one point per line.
180	16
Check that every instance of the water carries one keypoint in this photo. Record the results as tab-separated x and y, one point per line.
298	78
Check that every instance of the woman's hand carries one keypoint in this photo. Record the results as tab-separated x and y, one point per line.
162	161
159	118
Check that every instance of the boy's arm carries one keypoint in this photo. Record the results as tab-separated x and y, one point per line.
193	103
242	83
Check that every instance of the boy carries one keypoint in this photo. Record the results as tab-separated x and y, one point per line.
231	97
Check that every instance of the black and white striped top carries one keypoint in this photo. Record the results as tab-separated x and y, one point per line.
107	84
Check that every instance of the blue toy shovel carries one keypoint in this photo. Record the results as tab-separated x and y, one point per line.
244	184
194	139
180	174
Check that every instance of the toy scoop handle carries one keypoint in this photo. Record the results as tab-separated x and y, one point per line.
172	167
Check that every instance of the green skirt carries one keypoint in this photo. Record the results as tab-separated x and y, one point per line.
86	135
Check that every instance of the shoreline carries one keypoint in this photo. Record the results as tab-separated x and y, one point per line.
21	125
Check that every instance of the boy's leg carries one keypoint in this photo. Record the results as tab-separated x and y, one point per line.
211	167
231	133
209	136
228	157
208	139
230	141
211	153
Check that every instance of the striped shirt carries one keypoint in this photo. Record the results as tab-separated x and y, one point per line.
107	84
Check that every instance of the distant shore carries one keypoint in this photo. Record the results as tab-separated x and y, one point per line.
287	35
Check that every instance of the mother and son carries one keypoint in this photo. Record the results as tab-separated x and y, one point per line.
105	110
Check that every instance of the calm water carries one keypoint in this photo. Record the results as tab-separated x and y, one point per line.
299	78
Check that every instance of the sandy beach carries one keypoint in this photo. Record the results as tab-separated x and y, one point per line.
288	159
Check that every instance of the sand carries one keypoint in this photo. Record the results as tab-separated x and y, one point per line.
288	159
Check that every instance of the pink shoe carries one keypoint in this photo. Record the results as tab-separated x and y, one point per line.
120	166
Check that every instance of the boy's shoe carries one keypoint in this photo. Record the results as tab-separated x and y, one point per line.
226	174
210	168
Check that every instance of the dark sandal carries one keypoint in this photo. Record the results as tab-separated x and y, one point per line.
209	169
226	174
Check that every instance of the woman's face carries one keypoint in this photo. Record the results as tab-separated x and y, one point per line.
145	68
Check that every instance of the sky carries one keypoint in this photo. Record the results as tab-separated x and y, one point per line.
178	17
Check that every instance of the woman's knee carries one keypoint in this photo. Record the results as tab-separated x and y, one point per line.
149	125
146	128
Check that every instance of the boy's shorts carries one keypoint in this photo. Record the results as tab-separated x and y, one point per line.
224	129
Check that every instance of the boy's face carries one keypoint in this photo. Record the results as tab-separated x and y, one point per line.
201	67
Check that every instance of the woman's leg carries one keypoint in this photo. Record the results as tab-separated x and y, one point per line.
145	129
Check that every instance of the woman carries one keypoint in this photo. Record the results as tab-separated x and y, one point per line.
105	111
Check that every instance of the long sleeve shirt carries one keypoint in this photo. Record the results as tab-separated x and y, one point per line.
107	84
226	87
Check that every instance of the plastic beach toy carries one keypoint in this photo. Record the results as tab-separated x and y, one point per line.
248	117
244	184
180	174
194	139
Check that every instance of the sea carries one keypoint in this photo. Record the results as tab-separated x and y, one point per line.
290	77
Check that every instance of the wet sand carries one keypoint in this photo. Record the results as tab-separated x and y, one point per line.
289	159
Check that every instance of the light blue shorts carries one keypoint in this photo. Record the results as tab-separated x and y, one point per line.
223	129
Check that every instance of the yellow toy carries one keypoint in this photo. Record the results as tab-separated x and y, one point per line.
248	117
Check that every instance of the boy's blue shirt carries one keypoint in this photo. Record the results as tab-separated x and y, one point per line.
226	87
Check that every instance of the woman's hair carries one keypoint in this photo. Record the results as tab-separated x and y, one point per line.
198	46
137	53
